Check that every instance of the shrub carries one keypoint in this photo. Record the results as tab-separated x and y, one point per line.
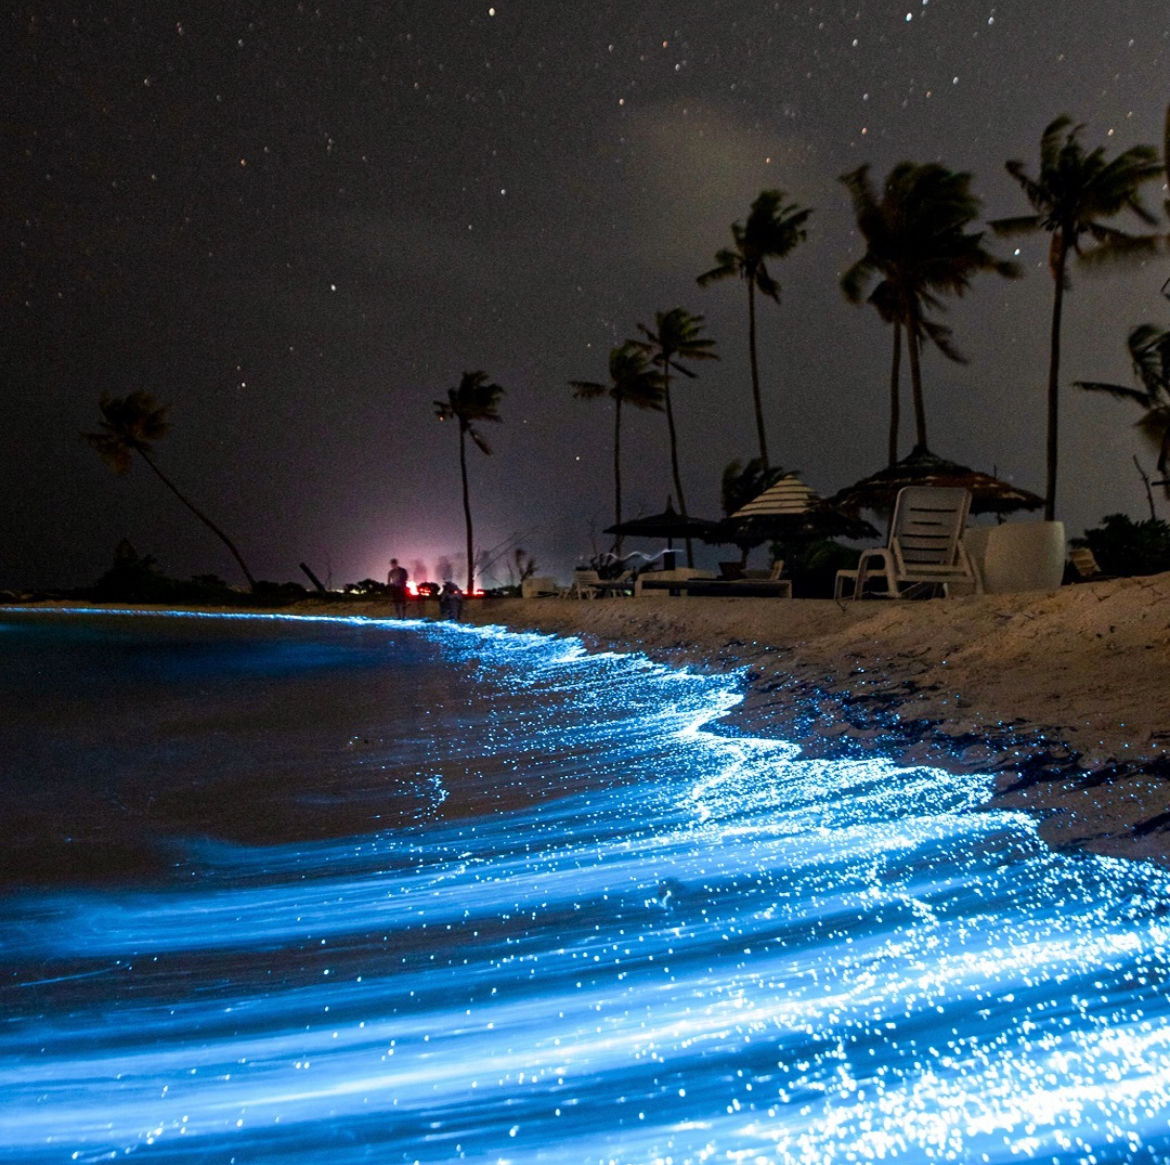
1124	547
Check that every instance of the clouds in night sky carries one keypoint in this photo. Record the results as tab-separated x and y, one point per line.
299	223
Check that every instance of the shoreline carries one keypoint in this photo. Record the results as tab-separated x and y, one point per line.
1059	696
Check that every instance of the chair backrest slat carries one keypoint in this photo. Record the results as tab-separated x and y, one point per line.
928	523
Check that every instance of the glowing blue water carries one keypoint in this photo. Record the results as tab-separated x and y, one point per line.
481	896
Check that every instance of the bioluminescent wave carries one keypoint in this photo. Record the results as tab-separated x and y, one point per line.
410	892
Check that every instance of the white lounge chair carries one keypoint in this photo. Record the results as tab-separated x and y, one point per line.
585	584
925	548
672	581
619	587
757	583
538	587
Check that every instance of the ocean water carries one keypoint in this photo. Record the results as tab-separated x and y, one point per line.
336	891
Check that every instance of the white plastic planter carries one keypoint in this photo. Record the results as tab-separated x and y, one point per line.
1024	556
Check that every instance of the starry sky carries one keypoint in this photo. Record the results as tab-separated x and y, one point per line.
299	223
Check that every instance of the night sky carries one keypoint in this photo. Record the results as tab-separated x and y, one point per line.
298	224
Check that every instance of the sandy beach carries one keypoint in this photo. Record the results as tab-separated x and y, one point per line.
1061	695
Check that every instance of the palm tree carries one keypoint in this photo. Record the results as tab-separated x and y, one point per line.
1149	350
918	248
772	230
132	424
474	400
633	380
1072	195
676	336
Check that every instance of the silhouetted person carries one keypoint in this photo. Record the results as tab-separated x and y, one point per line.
450	601
396	582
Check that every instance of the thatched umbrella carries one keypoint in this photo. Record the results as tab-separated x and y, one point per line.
791	495
790	512
791	508
669	524
989	495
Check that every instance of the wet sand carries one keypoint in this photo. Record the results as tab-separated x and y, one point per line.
1063	695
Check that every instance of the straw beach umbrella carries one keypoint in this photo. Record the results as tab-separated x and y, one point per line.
788	496
790	512
989	495
791	507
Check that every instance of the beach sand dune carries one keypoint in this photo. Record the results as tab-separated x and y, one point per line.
1062	695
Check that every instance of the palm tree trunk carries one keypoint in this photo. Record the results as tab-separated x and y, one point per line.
1058	264
617	472
202	517
895	395
467	513
756	373
914	349
678	489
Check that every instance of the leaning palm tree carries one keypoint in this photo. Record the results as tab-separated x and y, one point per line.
676	336
132	424
918	248
1149	349
475	399
771	231
1072	195
634	381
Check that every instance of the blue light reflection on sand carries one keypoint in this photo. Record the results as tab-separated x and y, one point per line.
737	956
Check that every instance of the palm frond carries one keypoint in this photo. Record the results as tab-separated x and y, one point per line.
1023	224
115	453
1149	349
727	266
588	389
474	399
633	379
1118	391
766	285
478	438
1115	246
940	336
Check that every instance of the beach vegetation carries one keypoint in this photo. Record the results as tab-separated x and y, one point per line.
523	564
918	248
133	424
138	578
1123	547
772	230
370	587
633	381
470	403
814	565
1074	194
675	340
1149	351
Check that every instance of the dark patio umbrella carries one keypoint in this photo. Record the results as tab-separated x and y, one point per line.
989	495
670	524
